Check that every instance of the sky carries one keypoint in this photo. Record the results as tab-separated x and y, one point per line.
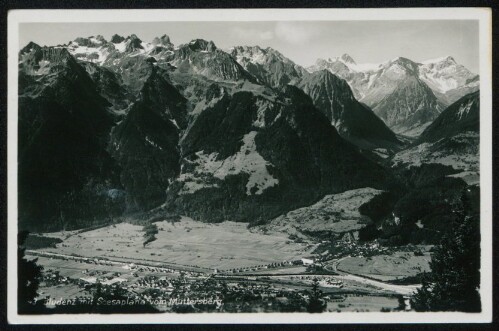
301	41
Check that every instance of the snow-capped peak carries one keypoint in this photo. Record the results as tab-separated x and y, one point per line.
201	45
98	40
133	36
401	60
163	40
30	47
439	60
347	59
444	74
257	55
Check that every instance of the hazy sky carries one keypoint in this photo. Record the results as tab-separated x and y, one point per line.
302	42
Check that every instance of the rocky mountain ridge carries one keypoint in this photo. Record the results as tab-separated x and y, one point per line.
185	125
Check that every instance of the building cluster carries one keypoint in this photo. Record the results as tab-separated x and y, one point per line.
274	265
335	250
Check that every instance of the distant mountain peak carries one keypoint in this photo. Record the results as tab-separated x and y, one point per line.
100	38
257	51
116	39
272	50
202	45
400	59
407	64
246	47
53	54
91	41
29	47
443	59
133	36
133	43
267	65
347	58
163	40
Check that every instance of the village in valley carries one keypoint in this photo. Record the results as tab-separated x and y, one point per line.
78	272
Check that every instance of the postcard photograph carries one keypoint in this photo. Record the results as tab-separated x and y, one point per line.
212	166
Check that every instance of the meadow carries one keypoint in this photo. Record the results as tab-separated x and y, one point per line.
387	267
219	246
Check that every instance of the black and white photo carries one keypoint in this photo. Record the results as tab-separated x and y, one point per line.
296	165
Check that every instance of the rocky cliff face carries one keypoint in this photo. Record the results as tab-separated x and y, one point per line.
268	65
353	120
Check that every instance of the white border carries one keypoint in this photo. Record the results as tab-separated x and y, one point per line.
485	44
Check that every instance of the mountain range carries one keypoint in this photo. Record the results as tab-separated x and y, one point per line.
123	127
407	95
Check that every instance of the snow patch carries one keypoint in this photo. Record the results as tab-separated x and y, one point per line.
436	60
465	109
174	123
194	186
382	152
441	83
363	67
152	143
147	47
121	47
90	54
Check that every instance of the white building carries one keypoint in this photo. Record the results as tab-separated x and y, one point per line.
307	261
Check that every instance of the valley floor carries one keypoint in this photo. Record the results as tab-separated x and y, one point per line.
203	260
220	246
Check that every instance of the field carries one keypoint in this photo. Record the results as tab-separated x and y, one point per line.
223	246
386	267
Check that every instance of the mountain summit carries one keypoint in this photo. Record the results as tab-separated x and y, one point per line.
347	59
268	65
